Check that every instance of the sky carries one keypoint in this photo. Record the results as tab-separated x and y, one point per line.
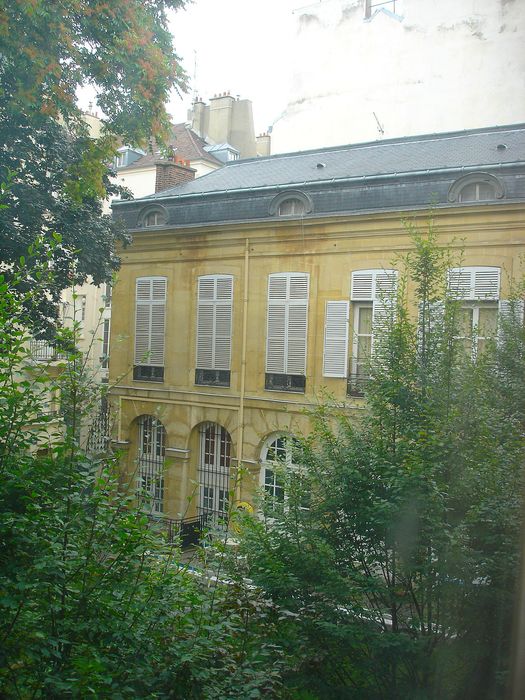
240	47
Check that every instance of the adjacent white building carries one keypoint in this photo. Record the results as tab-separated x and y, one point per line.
367	69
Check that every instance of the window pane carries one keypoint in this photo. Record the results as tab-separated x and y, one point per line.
488	318
365	320
465	322
364	348
485	191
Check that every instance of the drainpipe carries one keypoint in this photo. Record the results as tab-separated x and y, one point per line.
243	366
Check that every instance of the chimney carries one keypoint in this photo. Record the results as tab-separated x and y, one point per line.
170	173
263	144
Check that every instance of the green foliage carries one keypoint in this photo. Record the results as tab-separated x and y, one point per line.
123	49
398	580
60	175
93	602
44	162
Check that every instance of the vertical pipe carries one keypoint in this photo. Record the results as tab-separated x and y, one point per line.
243	367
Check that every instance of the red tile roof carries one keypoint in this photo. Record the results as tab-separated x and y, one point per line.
186	145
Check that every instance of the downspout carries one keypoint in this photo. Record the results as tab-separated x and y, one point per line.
243	367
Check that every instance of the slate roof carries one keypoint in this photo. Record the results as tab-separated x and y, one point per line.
403	174
186	143
400	156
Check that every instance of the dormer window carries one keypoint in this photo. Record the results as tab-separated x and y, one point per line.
291	207
291	203
477	192
153	216
476	187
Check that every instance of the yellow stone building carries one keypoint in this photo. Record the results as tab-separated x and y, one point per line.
258	286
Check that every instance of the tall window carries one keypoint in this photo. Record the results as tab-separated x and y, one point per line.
150	473
373	301
107	295
278	470
215	448
214	330
287	331
150	316
478	324
478	288
105	344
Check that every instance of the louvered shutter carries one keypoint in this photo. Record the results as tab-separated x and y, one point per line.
150	320
214	322
384	301
287	323
335	355
474	283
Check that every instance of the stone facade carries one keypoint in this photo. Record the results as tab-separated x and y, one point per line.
325	245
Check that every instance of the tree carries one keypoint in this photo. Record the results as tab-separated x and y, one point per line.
399	576
58	173
93	600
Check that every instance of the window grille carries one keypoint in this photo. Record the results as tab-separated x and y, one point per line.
98	438
214	472
150	477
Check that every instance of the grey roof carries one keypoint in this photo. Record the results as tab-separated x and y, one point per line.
401	175
457	150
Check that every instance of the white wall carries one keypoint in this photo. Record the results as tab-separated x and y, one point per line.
446	65
142	182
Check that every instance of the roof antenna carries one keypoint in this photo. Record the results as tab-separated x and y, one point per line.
195	91
379	125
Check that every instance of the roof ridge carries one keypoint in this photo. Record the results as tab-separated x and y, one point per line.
432	136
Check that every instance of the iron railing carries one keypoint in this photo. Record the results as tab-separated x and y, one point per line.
99	430
356	384
187	531
42	351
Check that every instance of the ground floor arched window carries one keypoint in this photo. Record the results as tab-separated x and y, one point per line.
150	464
278	463
215	448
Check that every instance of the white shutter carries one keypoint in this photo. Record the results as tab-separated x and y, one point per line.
372	285
150	320
287	323
363	285
335	355
214	321
474	283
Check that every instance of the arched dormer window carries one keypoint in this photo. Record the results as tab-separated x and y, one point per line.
152	216
476	187
293	203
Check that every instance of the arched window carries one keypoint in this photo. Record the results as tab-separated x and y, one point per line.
476	187
215	448
155	215
291	207
278	468
291	203
150	472
477	192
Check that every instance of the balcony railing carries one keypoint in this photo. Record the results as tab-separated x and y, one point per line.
187	531
43	351
356	384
